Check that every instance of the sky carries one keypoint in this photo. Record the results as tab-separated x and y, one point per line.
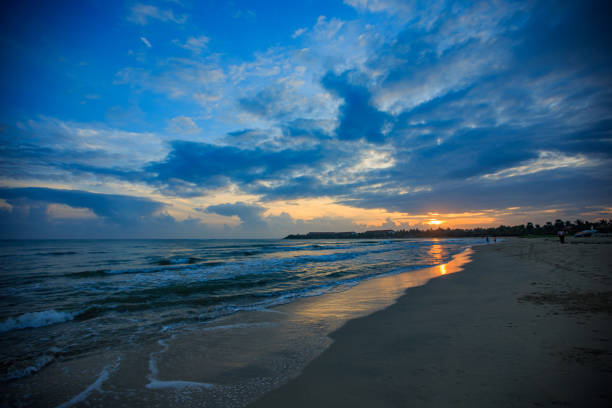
236	119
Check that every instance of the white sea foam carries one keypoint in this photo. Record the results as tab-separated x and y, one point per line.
35	319
157	384
154	383
41	362
96	386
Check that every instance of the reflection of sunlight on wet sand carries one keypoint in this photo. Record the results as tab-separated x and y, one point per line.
371	295
436	253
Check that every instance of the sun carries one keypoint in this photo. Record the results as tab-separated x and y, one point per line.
434	222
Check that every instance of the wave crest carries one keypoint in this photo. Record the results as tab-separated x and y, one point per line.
35	319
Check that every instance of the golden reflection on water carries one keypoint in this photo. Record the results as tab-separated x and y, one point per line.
369	296
435	252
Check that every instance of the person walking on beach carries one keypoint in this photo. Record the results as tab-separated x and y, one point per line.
561	234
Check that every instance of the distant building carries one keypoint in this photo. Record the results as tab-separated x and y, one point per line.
379	233
331	235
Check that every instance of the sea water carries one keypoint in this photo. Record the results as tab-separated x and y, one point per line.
95	306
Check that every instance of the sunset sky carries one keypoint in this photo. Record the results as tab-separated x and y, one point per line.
216	119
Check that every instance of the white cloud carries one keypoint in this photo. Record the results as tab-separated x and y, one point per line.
63	212
328	28
546	161
143	13
93	145
298	32
146	42
183	125
194	44
339	45
390	6
454	71
177	78
205	99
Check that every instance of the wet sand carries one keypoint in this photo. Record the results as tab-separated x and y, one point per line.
527	323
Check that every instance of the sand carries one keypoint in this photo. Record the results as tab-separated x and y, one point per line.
527	323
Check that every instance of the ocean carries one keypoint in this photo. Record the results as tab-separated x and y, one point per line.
185	321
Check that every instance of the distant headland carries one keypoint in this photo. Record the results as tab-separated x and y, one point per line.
550	228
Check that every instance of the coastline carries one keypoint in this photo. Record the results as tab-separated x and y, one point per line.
528	322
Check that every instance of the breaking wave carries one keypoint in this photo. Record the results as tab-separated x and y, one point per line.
35	319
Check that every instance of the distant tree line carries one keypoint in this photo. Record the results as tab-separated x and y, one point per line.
550	228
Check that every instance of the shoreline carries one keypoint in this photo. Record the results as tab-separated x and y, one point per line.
528	322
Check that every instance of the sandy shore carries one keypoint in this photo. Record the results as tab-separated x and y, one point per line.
527	323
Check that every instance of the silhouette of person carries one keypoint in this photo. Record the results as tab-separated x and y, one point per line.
561	235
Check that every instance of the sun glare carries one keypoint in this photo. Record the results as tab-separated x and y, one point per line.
435	222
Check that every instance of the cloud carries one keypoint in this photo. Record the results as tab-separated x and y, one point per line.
563	189
177	78
299	32
358	118
146	42
466	106
44	213
209	166
143	14
302	187
265	103
113	208
194	44
183	125
50	149
378	5
250	214
546	161
255	223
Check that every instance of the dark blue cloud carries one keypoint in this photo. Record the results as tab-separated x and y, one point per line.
305	128
595	139
557	189
469	153
264	103
303	187
562	34
118	216
359	119
211	166
115	208
249	214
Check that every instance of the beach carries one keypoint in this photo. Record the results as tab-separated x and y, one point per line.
526	323
517	322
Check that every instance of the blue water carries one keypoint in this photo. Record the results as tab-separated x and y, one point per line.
60	299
